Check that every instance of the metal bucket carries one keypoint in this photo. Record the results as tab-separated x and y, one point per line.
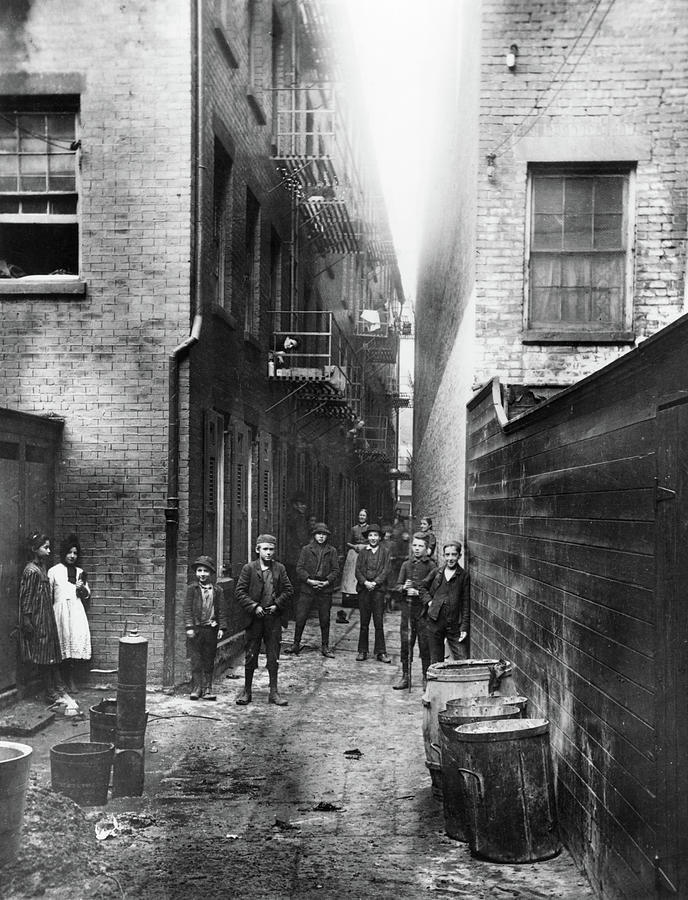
15	762
104	721
82	771
509	790
452	757
497	700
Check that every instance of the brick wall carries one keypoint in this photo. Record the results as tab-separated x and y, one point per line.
100	361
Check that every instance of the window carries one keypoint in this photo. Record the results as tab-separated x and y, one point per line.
579	260
39	231
222	187
252	264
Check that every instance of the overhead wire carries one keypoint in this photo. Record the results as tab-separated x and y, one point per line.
532	117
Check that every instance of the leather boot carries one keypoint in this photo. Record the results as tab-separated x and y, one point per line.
402	684
244	697
196	687
325	650
208	689
274	696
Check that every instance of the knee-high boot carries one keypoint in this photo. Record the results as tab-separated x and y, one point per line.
274	696
244	697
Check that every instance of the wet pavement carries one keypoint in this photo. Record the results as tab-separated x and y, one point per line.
266	803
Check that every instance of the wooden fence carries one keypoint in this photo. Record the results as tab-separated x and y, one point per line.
577	544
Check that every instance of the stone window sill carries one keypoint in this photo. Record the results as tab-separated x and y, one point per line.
13	287
533	336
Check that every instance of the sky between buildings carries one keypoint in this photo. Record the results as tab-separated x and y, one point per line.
394	44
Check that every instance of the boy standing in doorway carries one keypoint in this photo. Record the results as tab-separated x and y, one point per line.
205	620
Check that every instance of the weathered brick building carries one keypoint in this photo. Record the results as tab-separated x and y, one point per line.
556	226
556	243
181	189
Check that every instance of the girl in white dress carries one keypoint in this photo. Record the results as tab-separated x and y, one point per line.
70	590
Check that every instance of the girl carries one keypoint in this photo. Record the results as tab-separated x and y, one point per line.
38	639
70	591
358	539
426	528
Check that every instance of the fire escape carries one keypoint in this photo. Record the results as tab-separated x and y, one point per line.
335	213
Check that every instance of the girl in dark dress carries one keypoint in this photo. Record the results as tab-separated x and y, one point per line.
39	642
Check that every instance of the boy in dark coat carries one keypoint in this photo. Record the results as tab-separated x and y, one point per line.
448	611
372	569
414	574
263	590
317	570
205	620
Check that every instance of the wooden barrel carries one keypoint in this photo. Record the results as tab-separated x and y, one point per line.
445	681
509	790
81	770
452	758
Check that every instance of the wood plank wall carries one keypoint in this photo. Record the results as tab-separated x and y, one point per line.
561	550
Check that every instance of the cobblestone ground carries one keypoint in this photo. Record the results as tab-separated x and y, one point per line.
262	802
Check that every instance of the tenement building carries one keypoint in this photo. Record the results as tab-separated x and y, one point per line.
200	302
554	258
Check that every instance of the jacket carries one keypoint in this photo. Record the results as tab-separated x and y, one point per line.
318	561
250	587
457	601
419	571
193	606
372	567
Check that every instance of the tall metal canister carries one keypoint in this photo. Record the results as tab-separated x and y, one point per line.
129	761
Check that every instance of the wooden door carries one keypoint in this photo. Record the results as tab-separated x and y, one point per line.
240	496
672	647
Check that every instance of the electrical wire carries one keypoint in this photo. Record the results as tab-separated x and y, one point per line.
531	119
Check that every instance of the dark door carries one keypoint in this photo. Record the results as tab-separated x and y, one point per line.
27	470
672	647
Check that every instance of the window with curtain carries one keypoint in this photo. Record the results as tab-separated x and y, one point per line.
579	252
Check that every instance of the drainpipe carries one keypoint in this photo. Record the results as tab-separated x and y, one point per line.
180	352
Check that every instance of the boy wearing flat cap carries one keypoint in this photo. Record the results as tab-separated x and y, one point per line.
317	570
205	621
263	590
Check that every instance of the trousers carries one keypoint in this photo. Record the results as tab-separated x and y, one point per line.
202	649
439	631
306	600
412	628
371	603
268	629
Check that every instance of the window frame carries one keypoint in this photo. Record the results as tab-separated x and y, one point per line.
11	107
533	334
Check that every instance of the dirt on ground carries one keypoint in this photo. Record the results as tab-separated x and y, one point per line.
326	798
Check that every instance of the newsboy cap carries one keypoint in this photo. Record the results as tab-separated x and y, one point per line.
320	528
266	539
374	527
206	561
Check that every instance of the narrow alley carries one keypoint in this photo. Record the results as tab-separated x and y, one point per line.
270	803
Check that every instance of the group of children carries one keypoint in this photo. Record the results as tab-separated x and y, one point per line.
434	600
53	630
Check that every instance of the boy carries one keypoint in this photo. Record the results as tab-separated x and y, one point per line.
263	590
317	570
414	574
205	620
372	569
448	599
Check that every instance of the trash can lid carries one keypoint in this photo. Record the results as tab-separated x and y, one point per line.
501	729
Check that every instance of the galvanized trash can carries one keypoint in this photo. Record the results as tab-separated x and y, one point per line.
81	770
452	756
15	762
509	790
456	679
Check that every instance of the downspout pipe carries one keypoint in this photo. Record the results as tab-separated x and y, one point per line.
181	352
